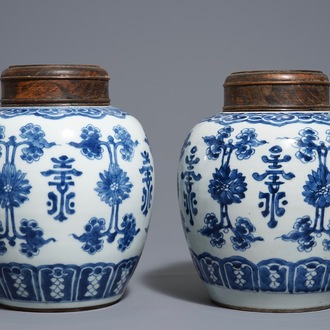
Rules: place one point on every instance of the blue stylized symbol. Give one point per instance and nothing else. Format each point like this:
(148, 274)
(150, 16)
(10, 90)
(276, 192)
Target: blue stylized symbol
(272, 204)
(62, 172)
(189, 176)
(147, 170)
(15, 188)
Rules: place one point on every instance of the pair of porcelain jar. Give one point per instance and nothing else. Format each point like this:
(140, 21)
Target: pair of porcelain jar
(77, 183)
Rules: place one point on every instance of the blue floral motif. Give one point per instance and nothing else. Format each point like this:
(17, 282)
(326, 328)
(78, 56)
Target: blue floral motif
(125, 141)
(96, 230)
(243, 234)
(3, 248)
(129, 230)
(216, 144)
(326, 245)
(316, 191)
(247, 141)
(242, 238)
(302, 234)
(34, 136)
(317, 188)
(33, 236)
(113, 188)
(2, 132)
(92, 236)
(91, 146)
(307, 145)
(15, 188)
(228, 187)
(213, 230)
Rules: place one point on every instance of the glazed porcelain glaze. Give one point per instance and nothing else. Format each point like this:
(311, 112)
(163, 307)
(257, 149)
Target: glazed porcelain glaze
(76, 190)
(254, 193)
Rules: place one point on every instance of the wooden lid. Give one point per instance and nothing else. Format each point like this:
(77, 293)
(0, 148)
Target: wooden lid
(276, 90)
(34, 85)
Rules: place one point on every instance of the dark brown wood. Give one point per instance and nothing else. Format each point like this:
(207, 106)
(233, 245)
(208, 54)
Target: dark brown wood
(276, 90)
(32, 85)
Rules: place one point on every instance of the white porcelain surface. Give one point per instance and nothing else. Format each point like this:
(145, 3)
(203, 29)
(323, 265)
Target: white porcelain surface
(76, 193)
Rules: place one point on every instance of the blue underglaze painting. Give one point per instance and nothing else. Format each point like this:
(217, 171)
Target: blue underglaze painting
(61, 201)
(277, 119)
(228, 186)
(15, 189)
(274, 201)
(275, 175)
(55, 183)
(55, 113)
(113, 188)
(316, 191)
(58, 283)
(272, 275)
(189, 177)
(147, 171)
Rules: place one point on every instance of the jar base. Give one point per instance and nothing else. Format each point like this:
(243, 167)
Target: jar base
(269, 302)
(45, 307)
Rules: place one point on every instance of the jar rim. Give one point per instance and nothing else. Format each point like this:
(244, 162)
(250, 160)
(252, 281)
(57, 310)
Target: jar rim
(54, 84)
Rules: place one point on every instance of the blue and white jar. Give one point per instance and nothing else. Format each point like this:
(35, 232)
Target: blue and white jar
(76, 190)
(254, 193)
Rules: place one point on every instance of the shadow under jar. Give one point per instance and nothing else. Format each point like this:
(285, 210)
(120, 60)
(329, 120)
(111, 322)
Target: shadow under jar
(254, 193)
(76, 189)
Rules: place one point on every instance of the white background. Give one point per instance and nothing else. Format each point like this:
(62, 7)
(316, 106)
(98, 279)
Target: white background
(167, 61)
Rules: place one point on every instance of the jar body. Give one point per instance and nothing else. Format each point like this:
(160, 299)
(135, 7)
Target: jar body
(76, 195)
(254, 200)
